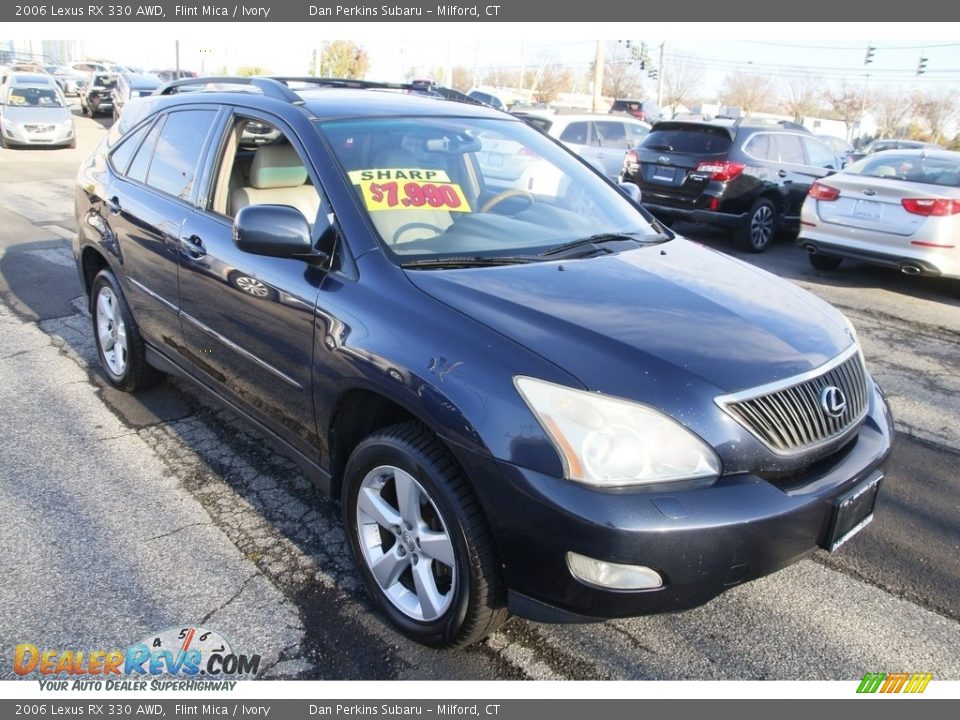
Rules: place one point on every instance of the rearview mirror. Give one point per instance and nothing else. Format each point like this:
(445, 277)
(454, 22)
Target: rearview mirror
(274, 230)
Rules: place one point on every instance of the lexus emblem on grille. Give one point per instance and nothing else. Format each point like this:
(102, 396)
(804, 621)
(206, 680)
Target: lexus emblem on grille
(833, 401)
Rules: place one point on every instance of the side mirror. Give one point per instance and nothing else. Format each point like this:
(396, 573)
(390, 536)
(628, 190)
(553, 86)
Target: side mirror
(274, 230)
(631, 190)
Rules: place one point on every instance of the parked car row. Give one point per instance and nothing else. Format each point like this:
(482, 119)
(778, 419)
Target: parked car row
(898, 206)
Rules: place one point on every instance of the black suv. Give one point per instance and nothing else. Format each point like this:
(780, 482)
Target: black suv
(534, 400)
(748, 176)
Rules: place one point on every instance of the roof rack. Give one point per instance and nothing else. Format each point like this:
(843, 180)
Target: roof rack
(270, 87)
(787, 124)
(279, 87)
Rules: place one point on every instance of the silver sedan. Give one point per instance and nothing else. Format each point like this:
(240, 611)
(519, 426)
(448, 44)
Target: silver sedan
(898, 208)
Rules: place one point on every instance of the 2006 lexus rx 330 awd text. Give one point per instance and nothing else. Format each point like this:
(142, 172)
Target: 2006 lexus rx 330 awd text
(537, 402)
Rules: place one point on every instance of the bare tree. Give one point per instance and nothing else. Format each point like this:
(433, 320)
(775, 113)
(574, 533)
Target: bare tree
(801, 96)
(849, 103)
(461, 79)
(937, 110)
(892, 108)
(681, 84)
(622, 74)
(750, 92)
(551, 80)
(345, 59)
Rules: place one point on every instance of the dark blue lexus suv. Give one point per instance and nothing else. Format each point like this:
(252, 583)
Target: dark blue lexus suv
(528, 394)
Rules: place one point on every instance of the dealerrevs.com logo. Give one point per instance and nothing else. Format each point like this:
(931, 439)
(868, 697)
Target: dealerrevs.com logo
(910, 683)
(203, 657)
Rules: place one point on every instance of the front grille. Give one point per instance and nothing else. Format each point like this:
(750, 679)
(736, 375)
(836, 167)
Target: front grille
(791, 416)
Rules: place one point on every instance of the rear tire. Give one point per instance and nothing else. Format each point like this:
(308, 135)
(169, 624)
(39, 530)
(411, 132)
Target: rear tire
(119, 344)
(420, 540)
(825, 261)
(760, 227)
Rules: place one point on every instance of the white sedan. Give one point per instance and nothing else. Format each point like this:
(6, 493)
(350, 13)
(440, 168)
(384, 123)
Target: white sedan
(898, 208)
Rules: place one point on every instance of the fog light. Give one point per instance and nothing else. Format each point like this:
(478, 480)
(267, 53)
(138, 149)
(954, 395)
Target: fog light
(612, 575)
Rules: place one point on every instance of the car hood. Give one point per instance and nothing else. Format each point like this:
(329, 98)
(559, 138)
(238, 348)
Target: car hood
(648, 322)
(39, 115)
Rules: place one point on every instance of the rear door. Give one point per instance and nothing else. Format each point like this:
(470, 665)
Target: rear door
(795, 171)
(612, 142)
(147, 205)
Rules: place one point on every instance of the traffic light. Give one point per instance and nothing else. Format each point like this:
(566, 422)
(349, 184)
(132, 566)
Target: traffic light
(922, 65)
(868, 58)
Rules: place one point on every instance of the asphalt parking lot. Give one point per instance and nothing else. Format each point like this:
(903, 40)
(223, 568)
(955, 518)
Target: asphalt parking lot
(128, 515)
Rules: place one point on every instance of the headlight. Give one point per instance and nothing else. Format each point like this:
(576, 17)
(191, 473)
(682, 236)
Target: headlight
(609, 442)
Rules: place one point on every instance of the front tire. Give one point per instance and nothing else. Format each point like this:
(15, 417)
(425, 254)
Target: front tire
(760, 227)
(119, 343)
(419, 539)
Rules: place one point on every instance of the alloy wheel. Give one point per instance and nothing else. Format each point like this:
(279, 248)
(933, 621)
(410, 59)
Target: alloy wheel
(405, 543)
(112, 332)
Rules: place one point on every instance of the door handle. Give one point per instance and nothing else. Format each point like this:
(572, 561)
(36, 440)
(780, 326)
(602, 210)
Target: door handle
(193, 246)
(782, 173)
(114, 205)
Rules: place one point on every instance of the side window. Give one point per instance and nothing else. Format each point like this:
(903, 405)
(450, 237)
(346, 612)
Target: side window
(141, 161)
(791, 151)
(575, 133)
(178, 152)
(120, 157)
(636, 134)
(260, 166)
(759, 146)
(819, 155)
(612, 134)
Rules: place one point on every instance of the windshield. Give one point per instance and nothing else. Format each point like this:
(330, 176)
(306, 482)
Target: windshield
(472, 187)
(34, 97)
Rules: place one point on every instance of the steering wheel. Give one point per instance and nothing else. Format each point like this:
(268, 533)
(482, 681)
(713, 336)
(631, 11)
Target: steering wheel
(416, 226)
(506, 195)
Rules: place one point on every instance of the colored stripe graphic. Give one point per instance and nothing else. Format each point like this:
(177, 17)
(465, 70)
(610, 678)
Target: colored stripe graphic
(918, 682)
(894, 682)
(871, 682)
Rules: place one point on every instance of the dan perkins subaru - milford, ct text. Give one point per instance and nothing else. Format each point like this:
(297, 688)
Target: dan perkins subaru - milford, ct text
(398, 11)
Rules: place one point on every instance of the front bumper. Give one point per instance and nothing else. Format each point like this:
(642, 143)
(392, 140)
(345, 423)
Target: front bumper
(21, 136)
(702, 540)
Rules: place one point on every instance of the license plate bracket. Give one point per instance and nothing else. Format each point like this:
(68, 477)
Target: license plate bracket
(664, 174)
(852, 511)
(868, 210)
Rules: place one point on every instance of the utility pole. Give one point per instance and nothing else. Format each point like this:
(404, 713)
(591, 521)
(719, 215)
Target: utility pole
(663, 52)
(176, 64)
(598, 77)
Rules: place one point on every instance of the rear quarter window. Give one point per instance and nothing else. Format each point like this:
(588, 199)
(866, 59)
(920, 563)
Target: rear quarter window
(689, 141)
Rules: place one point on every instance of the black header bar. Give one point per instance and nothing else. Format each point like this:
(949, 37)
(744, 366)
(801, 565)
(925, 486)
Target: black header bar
(323, 11)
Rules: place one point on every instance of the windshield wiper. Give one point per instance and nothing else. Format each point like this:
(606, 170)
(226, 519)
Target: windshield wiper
(477, 261)
(600, 238)
(659, 146)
